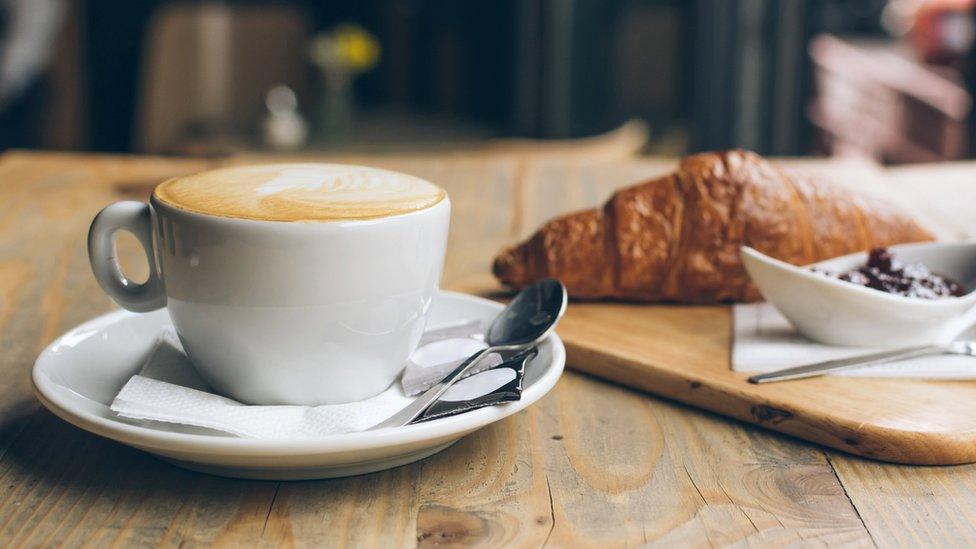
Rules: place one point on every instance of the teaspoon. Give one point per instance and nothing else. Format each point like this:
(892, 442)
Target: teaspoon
(527, 320)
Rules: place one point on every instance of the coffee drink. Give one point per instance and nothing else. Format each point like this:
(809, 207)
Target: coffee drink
(300, 192)
(287, 284)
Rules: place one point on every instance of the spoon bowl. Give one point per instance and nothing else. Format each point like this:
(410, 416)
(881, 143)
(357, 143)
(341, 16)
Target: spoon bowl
(530, 316)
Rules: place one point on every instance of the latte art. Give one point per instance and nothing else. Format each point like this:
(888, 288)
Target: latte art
(300, 192)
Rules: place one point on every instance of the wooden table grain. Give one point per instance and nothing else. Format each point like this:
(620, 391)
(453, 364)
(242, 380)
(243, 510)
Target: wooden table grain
(592, 464)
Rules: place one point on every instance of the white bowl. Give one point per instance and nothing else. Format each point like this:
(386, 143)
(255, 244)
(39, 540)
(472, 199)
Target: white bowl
(840, 313)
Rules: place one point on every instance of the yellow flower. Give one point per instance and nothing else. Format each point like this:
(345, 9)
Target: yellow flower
(355, 47)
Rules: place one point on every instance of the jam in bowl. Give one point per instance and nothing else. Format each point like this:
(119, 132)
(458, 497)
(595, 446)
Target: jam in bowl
(887, 273)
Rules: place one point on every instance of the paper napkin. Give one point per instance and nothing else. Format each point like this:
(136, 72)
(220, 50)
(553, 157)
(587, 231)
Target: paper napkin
(168, 389)
(765, 341)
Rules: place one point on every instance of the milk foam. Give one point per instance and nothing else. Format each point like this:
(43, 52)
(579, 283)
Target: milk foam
(300, 192)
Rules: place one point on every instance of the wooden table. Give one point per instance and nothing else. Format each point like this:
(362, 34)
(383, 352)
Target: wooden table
(591, 464)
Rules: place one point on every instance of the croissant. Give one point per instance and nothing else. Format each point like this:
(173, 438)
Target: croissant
(677, 238)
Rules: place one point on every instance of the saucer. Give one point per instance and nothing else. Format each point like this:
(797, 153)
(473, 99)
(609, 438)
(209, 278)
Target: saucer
(78, 375)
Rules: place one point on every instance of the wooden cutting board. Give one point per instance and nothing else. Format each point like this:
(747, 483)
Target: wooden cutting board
(683, 353)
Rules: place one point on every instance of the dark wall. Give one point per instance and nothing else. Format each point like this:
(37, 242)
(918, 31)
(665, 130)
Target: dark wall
(723, 72)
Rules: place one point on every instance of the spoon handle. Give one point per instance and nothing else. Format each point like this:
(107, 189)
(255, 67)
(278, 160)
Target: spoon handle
(821, 368)
(413, 410)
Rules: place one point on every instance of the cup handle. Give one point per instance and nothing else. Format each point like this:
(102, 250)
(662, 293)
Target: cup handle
(136, 218)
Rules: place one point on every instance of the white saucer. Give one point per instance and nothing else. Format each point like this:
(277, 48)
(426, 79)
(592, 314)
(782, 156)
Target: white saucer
(79, 374)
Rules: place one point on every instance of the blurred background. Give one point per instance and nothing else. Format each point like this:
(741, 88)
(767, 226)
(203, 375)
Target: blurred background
(887, 80)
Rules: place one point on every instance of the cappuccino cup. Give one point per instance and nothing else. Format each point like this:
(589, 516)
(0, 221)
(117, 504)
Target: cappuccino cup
(287, 283)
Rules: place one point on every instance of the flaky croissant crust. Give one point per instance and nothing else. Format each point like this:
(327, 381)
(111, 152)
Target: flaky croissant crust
(677, 238)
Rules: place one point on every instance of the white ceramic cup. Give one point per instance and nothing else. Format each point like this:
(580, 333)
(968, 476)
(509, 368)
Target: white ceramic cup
(277, 312)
